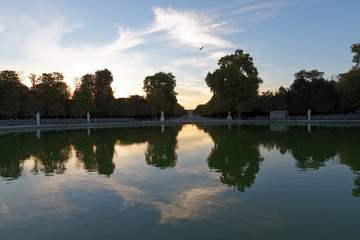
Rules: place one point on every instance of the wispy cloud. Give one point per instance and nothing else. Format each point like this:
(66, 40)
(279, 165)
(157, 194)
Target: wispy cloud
(188, 28)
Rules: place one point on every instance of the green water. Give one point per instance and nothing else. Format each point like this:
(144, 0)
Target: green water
(182, 182)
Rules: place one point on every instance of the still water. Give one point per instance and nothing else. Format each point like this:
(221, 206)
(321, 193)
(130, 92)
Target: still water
(181, 182)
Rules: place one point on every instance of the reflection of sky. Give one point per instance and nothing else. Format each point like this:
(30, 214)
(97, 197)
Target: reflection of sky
(132, 181)
(188, 194)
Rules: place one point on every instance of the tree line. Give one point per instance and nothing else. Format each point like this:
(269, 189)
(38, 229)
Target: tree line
(51, 97)
(236, 82)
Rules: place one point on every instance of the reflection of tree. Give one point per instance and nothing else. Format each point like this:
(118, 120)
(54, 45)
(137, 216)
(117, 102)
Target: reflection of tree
(96, 151)
(11, 156)
(161, 147)
(50, 152)
(235, 155)
(310, 149)
(349, 153)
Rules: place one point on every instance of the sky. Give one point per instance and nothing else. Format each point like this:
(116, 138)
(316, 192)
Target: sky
(138, 38)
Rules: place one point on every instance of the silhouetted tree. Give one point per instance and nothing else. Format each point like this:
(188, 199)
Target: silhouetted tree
(235, 83)
(103, 93)
(160, 93)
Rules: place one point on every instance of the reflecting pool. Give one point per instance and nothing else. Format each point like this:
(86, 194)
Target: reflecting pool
(181, 182)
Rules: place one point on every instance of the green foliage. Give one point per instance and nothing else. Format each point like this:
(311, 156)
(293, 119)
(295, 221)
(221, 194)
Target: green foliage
(157, 102)
(10, 94)
(103, 93)
(235, 84)
(199, 110)
(160, 93)
(84, 96)
(348, 89)
(125, 107)
(355, 48)
(32, 105)
(53, 93)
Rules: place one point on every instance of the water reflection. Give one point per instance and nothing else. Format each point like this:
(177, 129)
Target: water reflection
(235, 154)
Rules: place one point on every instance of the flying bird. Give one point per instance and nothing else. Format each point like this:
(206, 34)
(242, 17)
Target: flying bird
(201, 48)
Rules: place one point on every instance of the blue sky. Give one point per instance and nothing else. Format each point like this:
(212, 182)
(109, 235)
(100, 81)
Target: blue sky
(134, 39)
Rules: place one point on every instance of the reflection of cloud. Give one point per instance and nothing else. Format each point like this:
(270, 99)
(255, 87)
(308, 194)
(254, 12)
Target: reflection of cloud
(191, 204)
(4, 208)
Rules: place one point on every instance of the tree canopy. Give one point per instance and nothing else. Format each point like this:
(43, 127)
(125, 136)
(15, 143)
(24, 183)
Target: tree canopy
(235, 83)
(160, 93)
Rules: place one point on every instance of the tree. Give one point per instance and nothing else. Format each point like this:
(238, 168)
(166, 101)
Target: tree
(84, 96)
(157, 102)
(10, 93)
(160, 92)
(355, 48)
(53, 93)
(235, 83)
(125, 107)
(103, 93)
(348, 88)
(299, 92)
(323, 96)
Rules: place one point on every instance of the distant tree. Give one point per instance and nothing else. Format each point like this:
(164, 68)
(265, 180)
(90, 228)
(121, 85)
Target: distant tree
(281, 99)
(199, 110)
(103, 93)
(235, 84)
(53, 93)
(299, 93)
(348, 88)
(160, 92)
(83, 96)
(355, 48)
(140, 104)
(10, 94)
(157, 102)
(125, 107)
(323, 96)
(32, 105)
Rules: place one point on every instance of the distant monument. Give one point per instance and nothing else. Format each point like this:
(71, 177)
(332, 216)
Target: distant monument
(229, 116)
(309, 114)
(37, 118)
(162, 118)
(88, 117)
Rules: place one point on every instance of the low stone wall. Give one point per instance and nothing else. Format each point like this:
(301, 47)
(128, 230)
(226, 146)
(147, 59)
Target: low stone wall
(21, 122)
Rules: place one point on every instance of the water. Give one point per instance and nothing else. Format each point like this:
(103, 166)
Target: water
(182, 182)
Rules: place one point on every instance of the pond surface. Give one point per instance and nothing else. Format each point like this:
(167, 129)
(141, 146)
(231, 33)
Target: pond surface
(181, 182)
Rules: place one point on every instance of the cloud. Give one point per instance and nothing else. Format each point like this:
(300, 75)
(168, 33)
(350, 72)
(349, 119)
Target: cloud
(188, 28)
(256, 7)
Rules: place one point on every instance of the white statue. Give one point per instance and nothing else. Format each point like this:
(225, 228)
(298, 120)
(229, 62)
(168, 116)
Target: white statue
(162, 118)
(309, 114)
(37, 118)
(88, 117)
(229, 116)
